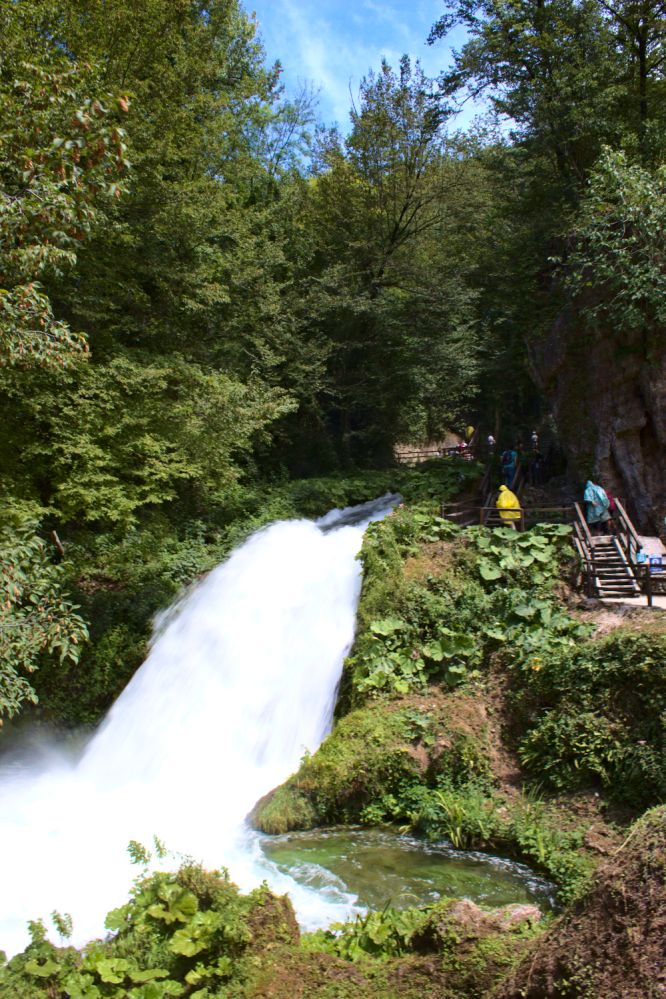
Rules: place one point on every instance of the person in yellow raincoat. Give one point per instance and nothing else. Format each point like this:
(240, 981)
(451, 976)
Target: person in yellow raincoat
(508, 505)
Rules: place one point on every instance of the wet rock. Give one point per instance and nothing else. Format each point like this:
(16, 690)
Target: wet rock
(453, 924)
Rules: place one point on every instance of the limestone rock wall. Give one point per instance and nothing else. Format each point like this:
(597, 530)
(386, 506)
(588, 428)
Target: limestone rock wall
(608, 398)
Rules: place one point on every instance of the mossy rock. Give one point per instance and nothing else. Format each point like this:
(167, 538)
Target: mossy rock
(477, 946)
(272, 921)
(367, 755)
(455, 923)
(283, 809)
(377, 751)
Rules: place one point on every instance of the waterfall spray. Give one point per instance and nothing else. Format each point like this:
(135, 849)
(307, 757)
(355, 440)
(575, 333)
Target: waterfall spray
(240, 683)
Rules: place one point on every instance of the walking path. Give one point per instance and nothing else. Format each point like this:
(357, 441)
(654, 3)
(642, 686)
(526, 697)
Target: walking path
(652, 545)
(658, 601)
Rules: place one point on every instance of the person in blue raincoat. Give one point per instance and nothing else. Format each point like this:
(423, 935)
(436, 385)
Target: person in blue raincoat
(597, 512)
(509, 459)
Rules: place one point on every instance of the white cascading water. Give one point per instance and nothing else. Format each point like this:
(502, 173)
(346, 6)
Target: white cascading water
(240, 682)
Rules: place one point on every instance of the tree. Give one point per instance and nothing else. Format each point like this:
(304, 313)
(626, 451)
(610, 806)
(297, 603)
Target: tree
(37, 619)
(61, 156)
(618, 248)
(178, 284)
(548, 66)
(381, 287)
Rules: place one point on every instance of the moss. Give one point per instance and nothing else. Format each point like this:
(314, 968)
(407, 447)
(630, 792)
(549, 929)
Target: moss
(367, 755)
(477, 946)
(375, 755)
(271, 920)
(284, 809)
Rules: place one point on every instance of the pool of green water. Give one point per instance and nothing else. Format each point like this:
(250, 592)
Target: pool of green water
(377, 867)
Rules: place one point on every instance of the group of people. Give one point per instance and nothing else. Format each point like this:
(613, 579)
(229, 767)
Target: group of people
(532, 460)
(600, 507)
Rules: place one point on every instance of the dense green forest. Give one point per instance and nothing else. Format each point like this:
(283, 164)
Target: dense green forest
(206, 293)
(216, 312)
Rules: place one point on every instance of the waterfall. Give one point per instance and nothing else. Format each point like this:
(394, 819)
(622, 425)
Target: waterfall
(240, 682)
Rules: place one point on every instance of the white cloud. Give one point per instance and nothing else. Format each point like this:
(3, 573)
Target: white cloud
(334, 43)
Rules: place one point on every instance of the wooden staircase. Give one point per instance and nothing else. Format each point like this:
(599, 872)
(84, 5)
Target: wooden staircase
(608, 560)
(613, 575)
(465, 512)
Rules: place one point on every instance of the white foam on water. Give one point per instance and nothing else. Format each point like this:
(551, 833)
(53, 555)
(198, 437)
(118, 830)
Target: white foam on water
(240, 682)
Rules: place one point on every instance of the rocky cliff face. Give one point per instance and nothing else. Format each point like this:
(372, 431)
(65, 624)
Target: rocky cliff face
(609, 400)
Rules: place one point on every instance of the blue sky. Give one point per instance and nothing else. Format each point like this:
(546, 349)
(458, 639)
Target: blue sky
(332, 44)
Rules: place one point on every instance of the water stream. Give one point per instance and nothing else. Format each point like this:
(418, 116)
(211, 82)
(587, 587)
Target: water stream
(239, 683)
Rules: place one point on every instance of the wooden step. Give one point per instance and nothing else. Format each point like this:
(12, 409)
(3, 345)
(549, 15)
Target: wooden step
(617, 591)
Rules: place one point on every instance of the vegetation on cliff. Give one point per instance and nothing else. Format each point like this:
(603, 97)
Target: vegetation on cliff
(479, 706)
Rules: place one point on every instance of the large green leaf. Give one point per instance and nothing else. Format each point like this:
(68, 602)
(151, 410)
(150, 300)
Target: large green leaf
(387, 626)
(45, 970)
(489, 571)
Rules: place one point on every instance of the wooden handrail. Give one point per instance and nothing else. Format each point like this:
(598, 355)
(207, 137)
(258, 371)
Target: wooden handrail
(585, 551)
(585, 529)
(531, 509)
(631, 530)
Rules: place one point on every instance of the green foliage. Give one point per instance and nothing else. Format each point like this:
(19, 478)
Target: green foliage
(443, 628)
(180, 934)
(386, 288)
(380, 935)
(552, 70)
(619, 245)
(245, 944)
(506, 554)
(596, 714)
(467, 820)
(61, 156)
(384, 663)
(38, 621)
(128, 434)
(365, 756)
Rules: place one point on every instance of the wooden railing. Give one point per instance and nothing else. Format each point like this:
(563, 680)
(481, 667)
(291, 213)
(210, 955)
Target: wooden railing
(626, 533)
(526, 516)
(426, 454)
(584, 548)
(647, 573)
(470, 450)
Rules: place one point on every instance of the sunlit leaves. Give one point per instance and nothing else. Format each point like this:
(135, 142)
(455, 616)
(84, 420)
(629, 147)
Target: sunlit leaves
(127, 435)
(619, 238)
(37, 619)
(60, 155)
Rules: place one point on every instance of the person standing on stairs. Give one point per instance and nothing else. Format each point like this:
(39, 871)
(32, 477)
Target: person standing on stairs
(597, 513)
(509, 459)
(508, 505)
